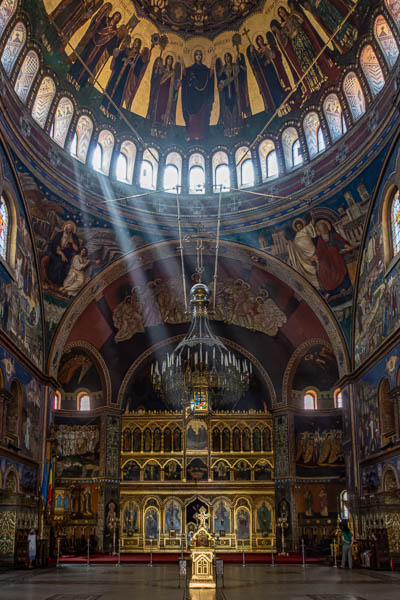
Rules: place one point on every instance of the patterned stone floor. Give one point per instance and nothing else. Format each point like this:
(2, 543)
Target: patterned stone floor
(160, 582)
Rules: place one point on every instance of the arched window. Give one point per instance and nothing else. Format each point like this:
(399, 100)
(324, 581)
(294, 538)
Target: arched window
(13, 47)
(83, 401)
(126, 162)
(149, 169)
(106, 142)
(394, 9)
(334, 117)
(26, 75)
(385, 38)
(338, 396)
(62, 121)
(83, 135)
(268, 160)
(4, 226)
(43, 100)
(173, 173)
(291, 148)
(372, 69)
(343, 505)
(221, 172)
(197, 174)
(310, 400)
(97, 157)
(313, 133)
(244, 167)
(57, 401)
(395, 223)
(354, 95)
(7, 9)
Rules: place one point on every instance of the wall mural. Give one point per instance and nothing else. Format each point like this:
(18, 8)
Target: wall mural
(77, 371)
(78, 451)
(319, 449)
(20, 307)
(28, 417)
(168, 78)
(27, 475)
(378, 299)
(317, 368)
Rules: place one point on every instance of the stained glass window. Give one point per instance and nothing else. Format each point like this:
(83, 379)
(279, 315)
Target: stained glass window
(43, 100)
(244, 167)
(84, 130)
(393, 7)
(128, 149)
(291, 150)
(149, 169)
(395, 222)
(3, 228)
(372, 69)
(221, 172)
(272, 164)
(84, 402)
(310, 400)
(344, 511)
(334, 117)
(311, 126)
(7, 9)
(385, 38)
(197, 175)
(338, 399)
(26, 75)
(13, 47)
(173, 172)
(106, 141)
(62, 120)
(268, 159)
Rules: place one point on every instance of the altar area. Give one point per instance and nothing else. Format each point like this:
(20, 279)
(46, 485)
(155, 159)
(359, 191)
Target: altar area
(173, 464)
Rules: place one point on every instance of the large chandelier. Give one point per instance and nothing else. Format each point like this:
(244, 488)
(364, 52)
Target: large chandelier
(201, 373)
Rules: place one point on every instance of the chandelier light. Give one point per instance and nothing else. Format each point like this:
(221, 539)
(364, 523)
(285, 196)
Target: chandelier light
(201, 372)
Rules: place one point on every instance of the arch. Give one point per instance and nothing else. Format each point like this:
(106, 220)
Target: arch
(43, 100)
(268, 160)
(394, 223)
(338, 398)
(83, 133)
(394, 10)
(149, 169)
(177, 439)
(131, 471)
(390, 479)
(266, 440)
(216, 439)
(386, 411)
(130, 518)
(310, 400)
(197, 173)
(26, 75)
(263, 471)
(386, 40)
(106, 143)
(157, 440)
(246, 440)
(221, 172)
(173, 516)
(236, 440)
(167, 440)
(147, 440)
(83, 401)
(242, 470)
(151, 523)
(221, 470)
(7, 10)
(334, 117)
(13, 47)
(152, 471)
(313, 134)
(242, 523)
(137, 440)
(256, 439)
(244, 167)
(11, 480)
(372, 69)
(172, 471)
(62, 120)
(173, 173)
(99, 363)
(226, 440)
(57, 400)
(354, 95)
(127, 440)
(291, 148)
(126, 162)
(273, 266)
(4, 229)
(9, 212)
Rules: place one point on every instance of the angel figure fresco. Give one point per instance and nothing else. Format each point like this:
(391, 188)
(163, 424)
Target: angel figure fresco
(197, 96)
(265, 59)
(66, 19)
(128, 66)
(165, 83)
(233, 92)
(329, 14)
(103, 39)
(300, 45)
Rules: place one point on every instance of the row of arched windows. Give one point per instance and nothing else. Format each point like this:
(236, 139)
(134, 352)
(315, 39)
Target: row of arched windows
(83, 401)
(287, 152)
(257, 440)
(310, 399)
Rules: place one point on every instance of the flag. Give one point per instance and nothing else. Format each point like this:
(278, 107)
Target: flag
(44, 483)
(50, 484)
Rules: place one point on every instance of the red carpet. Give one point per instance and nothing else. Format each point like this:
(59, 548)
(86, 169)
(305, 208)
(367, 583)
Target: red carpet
(294, 558)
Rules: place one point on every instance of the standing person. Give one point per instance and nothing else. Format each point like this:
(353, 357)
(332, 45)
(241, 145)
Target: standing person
(31, 547)
(347, 547)
(197, 96)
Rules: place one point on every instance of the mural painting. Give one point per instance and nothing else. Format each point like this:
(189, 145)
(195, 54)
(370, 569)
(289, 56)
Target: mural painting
(173, 517)
(77, 371)
(131, 471)
(131, 518)
(78, 449)
(151, 523)
(197, 436)
(222, 518)
(26, 475)
(242, 524)
(20, 306)
(317, 367)
(263, 519)
(319, 500)
(319, 448)
(172, 471)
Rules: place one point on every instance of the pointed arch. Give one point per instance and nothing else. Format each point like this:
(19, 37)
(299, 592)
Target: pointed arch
(26, 75)
(13, 47)
(43, 100)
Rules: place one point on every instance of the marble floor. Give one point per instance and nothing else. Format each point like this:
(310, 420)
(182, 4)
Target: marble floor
(160, 582)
